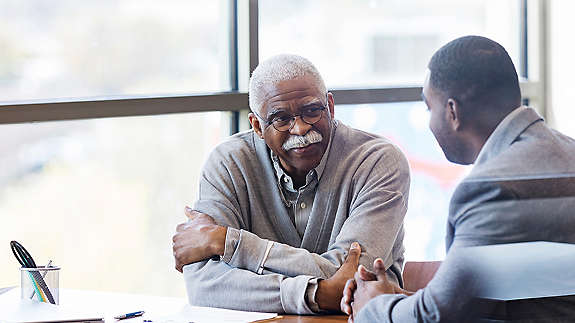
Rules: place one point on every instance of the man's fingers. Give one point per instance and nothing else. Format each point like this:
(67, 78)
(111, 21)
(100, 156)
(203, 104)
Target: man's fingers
(176, 258)
(347, 297)
(188, 211)
(191, 214)
(353, 255)
(379, 269)
(198, 217)
(181, 227)
(345, 305)
(365, 274)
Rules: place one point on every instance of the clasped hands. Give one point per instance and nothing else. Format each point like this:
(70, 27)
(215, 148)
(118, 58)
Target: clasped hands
(198, 239)
(364, 286)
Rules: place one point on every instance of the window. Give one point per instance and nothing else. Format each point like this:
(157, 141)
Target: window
(102, 198)
(73, 49)
(98, 195)
(380, 42)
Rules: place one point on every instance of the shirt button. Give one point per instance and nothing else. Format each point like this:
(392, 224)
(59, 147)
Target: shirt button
(302, 205)
(286, 179)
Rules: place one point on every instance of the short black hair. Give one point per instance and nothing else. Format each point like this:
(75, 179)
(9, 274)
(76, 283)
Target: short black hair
(475, 70)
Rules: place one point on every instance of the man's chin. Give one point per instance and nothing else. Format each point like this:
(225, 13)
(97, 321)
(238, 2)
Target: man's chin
(458, 160)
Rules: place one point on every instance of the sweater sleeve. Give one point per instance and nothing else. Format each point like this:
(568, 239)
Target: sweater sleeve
(216, 284)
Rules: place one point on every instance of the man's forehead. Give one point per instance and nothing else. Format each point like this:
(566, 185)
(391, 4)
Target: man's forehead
(288, 92)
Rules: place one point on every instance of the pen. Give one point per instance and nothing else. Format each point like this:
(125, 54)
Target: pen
(129, 315)
(43, 276)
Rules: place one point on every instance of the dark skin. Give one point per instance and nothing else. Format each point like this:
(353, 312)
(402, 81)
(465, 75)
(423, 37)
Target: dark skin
(460, 140)
(290, 97)
(330, 291)
(201, 237)
(198, 239)
(366, 285)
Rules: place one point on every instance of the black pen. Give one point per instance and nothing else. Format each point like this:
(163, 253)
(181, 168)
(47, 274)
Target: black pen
(129, 315)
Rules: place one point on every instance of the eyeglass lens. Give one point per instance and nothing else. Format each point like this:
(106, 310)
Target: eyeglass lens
(310, 116)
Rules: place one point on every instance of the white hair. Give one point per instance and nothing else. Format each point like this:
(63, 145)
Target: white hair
(276, 69)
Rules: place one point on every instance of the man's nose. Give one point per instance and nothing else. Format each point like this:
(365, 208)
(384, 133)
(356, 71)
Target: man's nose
(299, 127)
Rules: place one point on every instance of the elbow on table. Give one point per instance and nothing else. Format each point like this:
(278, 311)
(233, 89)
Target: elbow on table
(199, 289)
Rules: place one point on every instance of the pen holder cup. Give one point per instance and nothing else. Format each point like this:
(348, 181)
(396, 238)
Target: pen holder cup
(40, 284)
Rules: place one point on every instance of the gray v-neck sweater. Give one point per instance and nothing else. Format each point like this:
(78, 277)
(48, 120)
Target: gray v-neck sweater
(361, 196)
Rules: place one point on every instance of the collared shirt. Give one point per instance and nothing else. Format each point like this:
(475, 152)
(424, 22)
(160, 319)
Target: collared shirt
(300, 201)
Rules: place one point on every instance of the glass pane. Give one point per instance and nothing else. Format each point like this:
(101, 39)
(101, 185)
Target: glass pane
(380, 42)
(102, 198)
(433, 178)
(64, 49)
(560, 113)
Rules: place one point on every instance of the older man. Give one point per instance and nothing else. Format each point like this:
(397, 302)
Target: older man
(282, 204)
(521, 188)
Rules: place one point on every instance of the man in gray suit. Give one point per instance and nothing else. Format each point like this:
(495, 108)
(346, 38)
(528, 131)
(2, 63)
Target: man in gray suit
(522, 187)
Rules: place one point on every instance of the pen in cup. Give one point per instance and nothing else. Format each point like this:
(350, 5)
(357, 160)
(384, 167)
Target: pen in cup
(43, 276)
(129, 315)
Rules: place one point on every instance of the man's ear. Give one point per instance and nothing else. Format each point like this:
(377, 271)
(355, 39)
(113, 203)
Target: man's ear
(454, 114)
(256, 125)
(330, 104)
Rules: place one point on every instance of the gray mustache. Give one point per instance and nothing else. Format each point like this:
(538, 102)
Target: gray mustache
(295, 141)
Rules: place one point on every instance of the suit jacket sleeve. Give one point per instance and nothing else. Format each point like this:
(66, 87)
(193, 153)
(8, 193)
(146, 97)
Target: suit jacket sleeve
(482, 212)
(447, 297)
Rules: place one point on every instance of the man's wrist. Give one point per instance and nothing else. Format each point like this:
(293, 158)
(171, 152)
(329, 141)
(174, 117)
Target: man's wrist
(324, 296)
(310, 294)
(219, 240)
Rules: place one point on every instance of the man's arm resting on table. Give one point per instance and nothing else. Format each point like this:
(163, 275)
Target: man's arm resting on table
(215, 283)
(201, 238)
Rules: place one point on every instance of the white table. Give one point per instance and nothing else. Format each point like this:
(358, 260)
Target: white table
(78, 304)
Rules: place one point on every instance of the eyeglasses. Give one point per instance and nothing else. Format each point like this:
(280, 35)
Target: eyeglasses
(284, 122)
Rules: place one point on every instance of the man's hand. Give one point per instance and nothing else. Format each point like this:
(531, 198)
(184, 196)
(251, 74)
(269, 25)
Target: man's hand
(329, 291)
(198, 239)
(349, 290)
(367, 285)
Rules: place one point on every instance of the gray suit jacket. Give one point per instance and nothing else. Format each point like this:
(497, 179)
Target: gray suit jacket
(522, 188)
